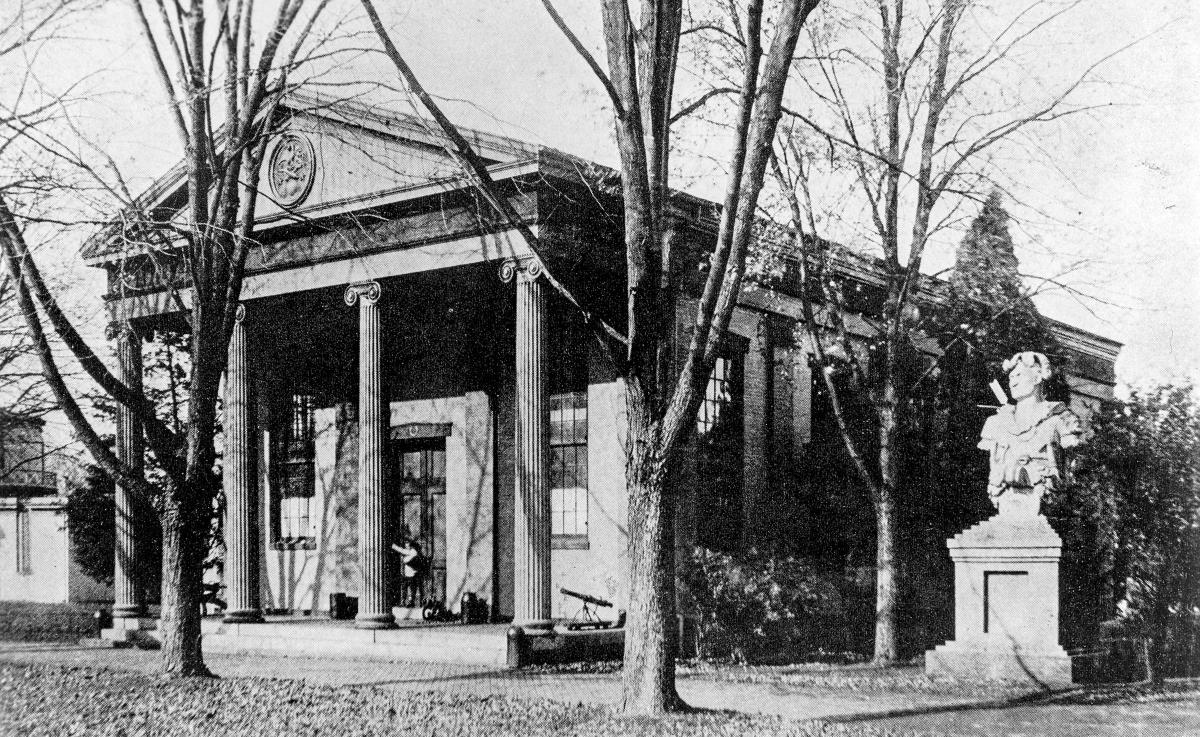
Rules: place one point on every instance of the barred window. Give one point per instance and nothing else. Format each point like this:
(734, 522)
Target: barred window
(24, 541)
(719, 438)
(295, 477)
(719, 398)
(569, 468)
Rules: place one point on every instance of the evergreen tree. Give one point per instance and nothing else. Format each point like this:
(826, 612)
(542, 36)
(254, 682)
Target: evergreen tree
(985, 265)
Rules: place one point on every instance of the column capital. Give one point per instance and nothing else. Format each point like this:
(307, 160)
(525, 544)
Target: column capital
(528, 269)
(368, 291)
(239, 313)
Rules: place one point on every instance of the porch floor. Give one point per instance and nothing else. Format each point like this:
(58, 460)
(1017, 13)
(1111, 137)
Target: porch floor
(315, 636)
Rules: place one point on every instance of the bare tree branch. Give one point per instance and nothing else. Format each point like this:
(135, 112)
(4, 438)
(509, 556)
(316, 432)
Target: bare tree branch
(699, 102)
(476, 170)
(586, 55)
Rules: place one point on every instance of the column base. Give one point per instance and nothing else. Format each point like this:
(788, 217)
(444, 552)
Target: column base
(130, 631)
(243, 616)
(131, 623)
(128, 612)
(375, 621)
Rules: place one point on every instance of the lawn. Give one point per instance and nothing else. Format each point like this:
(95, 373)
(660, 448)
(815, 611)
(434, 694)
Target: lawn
(56, 700)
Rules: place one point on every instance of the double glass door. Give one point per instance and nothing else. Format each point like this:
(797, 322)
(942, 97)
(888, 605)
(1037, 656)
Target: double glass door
(419, 514)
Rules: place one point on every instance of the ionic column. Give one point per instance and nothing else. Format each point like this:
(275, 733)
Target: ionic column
(531, 529)
(374, 610)
(129, 601)
(240, 483)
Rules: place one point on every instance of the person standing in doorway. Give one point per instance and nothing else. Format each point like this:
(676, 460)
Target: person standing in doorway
(411, 568)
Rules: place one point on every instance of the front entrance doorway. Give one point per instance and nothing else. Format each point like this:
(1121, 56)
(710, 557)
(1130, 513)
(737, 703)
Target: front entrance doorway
(419, 514)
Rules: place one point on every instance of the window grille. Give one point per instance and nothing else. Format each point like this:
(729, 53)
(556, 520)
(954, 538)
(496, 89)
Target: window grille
(295, 476)
(569, 465)
(719, 395)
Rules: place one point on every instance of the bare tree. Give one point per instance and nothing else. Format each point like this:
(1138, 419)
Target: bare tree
(223, 78)
(24, 32)
(21, 392)
(661, 402)
(907, 119)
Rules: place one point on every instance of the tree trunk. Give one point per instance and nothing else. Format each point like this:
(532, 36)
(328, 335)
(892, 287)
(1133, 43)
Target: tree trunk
(887, 586)
(184, 547)
(887, 594)
(648, 681)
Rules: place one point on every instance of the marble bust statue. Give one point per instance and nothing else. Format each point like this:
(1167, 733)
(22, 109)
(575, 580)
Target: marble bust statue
(1026, 439)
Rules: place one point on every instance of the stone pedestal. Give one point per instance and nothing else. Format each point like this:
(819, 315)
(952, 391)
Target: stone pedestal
(1006, 602)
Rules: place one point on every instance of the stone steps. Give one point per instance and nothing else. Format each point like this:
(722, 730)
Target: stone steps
(482, 645)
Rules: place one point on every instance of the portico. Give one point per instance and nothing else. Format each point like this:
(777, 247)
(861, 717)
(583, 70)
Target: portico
(329, 396)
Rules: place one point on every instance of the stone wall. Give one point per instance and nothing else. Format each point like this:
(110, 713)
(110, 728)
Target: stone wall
(602, 568)
(300, 579)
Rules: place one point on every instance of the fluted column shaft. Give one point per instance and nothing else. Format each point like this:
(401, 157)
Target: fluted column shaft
(129, 600)
(238, 478)
(374, 609)
(532, 494)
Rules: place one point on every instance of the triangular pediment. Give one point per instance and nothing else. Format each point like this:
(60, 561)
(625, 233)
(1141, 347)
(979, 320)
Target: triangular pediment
(335, 156)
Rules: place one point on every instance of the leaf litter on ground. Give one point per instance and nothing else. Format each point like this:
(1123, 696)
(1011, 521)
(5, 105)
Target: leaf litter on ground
(58, 700)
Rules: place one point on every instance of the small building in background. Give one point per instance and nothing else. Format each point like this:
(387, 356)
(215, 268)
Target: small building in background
(35, 550)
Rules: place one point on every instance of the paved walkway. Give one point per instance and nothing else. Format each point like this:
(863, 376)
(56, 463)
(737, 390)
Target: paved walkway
(918, 712)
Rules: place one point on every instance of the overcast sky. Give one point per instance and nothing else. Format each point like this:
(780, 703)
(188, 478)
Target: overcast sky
(1118, 191)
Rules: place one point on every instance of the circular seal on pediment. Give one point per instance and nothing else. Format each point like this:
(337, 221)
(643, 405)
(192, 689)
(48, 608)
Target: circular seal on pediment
(292, 169)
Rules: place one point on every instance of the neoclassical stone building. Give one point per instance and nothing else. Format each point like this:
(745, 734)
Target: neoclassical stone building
(400, 368)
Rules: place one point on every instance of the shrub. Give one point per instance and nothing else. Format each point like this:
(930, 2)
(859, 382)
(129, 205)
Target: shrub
(33, 622)
(756, 608)
(1131, 518)
(91, 521)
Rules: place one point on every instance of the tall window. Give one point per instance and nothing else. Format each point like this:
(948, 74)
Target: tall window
(719, 456)
(295, 476)
(24, 541)
(719, 396)
(569, 469)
